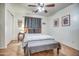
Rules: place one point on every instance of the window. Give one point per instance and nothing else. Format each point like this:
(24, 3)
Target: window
(33, 24)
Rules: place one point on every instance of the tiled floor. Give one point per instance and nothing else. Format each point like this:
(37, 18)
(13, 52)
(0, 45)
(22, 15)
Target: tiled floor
(14, 49)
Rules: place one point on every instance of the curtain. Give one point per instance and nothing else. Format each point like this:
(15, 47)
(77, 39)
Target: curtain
(33, 24)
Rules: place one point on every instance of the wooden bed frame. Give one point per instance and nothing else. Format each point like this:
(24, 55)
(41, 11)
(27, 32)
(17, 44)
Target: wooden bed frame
(27, 50)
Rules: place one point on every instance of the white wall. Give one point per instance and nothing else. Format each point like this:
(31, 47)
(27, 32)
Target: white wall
(10, 25)
(44, 26)
(68, 35)
(2, 25)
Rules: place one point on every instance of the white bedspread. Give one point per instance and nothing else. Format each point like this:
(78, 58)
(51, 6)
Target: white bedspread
(40, 41)
(30, 37)
(37, 39)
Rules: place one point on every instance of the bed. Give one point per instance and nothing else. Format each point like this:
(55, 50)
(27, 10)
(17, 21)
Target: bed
(38, 42)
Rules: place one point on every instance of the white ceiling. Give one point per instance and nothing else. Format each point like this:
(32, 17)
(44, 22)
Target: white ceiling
(24, 9)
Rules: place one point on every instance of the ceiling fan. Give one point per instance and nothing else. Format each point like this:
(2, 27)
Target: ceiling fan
(41, 7)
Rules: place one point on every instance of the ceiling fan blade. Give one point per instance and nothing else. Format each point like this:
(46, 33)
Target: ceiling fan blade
(35, 11)
(50, 5)
(45, 11)
(40, 4)
(32, 5)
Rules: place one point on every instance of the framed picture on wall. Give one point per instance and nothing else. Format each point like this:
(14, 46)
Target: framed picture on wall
(66, 20)
(56, 22)
(19, 23)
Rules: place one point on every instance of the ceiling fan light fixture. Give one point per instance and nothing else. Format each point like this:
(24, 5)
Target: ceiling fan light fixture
(40, 9)
(43, 8)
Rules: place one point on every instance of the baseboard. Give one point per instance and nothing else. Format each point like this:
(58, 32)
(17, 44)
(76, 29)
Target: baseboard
(2, 48)
(68, 51)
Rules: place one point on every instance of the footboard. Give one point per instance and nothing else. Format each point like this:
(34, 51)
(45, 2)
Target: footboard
(33, 49)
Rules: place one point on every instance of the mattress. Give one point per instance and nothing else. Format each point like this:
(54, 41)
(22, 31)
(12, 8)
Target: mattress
(41, 42)
(37, 40)
(30, 37)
